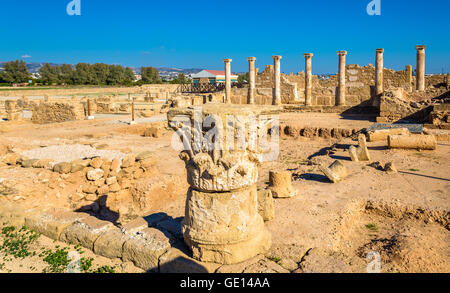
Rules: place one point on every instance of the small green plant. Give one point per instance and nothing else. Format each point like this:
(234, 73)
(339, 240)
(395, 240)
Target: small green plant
(413, 170)
(17, 242)
(57, 260)
(372, 227)
(105, 270)
(86, 264)
(275, 259)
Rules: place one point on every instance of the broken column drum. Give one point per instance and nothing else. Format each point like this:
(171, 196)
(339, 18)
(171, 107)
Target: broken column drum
(222, 223)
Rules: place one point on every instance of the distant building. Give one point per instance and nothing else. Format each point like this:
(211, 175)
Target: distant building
(137, 76)
(211, 76)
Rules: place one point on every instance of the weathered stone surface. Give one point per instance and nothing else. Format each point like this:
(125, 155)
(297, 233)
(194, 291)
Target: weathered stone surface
(265, 204)
(85, 231)
(421, 142)
(110, 243)
(383, 134)
(52, 223)
(111, 180)
(96, 163)
(11, 159)
(44, 163)
(280, 184)
(95, 174)
(153, 132)
(62, 168)
(335, 172)
(234, 234)
(115, 165)
(145, 248)
(144, 155)
(178, 261)
(128, 160)
(29, 163)
(134, 226)
(360, 153)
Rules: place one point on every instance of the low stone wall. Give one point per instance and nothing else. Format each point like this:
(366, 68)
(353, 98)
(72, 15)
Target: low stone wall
(51, 112)
(103, 183)
(323, 132)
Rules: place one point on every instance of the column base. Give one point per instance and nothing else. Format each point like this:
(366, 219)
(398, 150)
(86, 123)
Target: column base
(231, 253)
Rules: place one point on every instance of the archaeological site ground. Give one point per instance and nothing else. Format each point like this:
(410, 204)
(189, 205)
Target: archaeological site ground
(288, 173)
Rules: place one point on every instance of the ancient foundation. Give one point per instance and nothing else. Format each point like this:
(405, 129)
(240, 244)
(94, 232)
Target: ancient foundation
(222, 223)
(280, 184)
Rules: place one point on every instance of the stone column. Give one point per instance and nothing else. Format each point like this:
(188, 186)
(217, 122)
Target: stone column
(420, 68)
(340, 101)
(221, 222)
(227, 80)
(252, 79)
(308, 79)
(379, 72)
(276, 100)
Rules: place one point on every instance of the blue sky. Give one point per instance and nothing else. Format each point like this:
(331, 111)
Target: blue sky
(199, 34)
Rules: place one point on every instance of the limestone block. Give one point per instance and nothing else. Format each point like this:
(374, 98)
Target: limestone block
(95, 174)
(360, 153)
(145, 248)
(128, 160)
(85, 231)
(235, 233)
(110, 243)
(96, 163)
(43, 163)
(390, 168)
(265, 204)
(335, 172)
(383, 134)
(62, 168)
(11, 159)
(280, 184)
(178, 261)
(29, 163)
(52, 223)
(419, 141)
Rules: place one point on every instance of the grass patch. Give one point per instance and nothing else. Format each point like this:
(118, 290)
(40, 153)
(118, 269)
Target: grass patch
(413, 170)
(17, 242)
(372, 227)
(275, 259)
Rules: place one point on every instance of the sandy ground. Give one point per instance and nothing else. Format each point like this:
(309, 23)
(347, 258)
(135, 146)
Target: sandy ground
(325, 227)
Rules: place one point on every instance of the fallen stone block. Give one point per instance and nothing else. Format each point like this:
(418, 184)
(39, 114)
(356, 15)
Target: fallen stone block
(360, 153)
(418, 141)
(110, 243)
(95, 174)
(85, 231)
(265, 205)
(178, 261)
(280, 184)
(145, 248)
(52, 223)
(335, 172)
(383, 134)
(390, 168)
(62, 168)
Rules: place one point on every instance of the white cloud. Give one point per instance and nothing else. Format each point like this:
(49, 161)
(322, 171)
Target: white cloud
(26, 56)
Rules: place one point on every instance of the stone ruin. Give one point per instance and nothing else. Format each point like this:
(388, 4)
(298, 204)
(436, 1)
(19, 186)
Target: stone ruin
(222, 223)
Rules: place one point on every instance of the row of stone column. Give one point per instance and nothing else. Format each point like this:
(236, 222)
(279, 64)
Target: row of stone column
(340, 98)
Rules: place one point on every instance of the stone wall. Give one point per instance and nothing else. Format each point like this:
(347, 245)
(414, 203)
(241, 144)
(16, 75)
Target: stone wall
(51, 112)
(360, 83)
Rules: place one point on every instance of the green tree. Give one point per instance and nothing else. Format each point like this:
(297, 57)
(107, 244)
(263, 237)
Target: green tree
(66, 74)
(84, 74)
(49, 74)
(181, 79)
(243, 78)
(150, 75)
(15, 72)
(101, 72)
